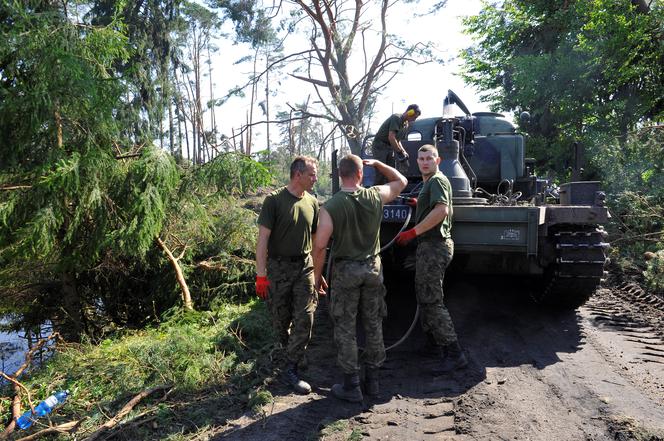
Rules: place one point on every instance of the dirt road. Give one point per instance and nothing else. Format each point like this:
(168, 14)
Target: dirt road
(593, 374)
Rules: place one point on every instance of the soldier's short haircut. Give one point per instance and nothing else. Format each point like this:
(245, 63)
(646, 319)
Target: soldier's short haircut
(300, 164)
(349, 165)
(428, 148)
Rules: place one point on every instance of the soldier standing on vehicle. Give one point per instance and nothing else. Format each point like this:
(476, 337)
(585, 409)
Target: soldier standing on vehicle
(387, 142)
(353, 216)
(284, 266)
(435, 248)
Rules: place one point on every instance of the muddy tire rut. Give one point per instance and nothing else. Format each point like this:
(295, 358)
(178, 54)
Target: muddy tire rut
(592, 374)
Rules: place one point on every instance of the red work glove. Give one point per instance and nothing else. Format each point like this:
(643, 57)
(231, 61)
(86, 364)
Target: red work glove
(412, 202)
(261, 286)
(406, 236)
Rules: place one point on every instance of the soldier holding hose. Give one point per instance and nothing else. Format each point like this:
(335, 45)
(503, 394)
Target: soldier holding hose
(435, 248)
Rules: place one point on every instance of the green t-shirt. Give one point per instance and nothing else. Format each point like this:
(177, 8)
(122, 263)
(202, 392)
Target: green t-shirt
(391, 124)
(437, 190)
(356, 219)
(292, 221)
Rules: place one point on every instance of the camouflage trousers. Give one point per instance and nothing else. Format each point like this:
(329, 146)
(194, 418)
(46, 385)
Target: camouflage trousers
(357, 288)
(292, 301)
(432, 258)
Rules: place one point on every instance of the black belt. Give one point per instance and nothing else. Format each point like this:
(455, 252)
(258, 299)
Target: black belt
(344, 259)
(432, 239)
(289, 258)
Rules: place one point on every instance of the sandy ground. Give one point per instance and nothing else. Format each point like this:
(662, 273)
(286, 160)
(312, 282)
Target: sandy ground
(592, 374)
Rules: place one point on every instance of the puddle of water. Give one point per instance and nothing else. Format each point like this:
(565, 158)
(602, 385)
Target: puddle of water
(13, 346)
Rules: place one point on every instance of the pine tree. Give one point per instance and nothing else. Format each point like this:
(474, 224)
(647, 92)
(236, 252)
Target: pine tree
(66, 196)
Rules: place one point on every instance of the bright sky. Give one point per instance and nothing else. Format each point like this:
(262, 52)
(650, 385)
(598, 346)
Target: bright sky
(425, 85)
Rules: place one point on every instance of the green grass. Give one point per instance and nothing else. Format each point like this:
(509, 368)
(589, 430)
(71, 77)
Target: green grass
(356, 435)
(339, 429)
(334, 427)
(258, 399)
(214, 361)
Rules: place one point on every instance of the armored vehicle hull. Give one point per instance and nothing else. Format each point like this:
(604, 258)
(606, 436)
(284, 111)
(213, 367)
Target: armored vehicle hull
(505, 220)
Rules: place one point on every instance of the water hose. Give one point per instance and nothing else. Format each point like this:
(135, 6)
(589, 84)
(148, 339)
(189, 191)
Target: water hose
(416, 316)
(403, 227)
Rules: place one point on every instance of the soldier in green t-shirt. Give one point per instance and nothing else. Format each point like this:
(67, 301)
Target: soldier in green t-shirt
(284, 266)
(387, 141)
(352, 217)
(435, 248)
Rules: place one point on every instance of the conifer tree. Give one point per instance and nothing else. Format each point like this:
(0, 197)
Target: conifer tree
(67, 194)
(82, 186)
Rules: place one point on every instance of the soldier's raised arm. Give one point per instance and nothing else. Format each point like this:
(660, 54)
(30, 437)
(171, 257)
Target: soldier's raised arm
(396, 182)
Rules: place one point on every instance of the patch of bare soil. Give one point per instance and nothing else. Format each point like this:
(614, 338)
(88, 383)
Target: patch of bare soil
(592, 374)
(583, 375)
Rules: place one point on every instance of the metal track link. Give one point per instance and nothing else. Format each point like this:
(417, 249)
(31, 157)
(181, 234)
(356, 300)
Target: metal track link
(579, 266)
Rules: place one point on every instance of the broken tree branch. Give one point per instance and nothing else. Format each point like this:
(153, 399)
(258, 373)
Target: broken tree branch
(179, 275)
(311, 80)
(61, 428)
(15, 187)
(123, 412)
(16, 412)
(20, 385)
(128, 155)
(16, 403)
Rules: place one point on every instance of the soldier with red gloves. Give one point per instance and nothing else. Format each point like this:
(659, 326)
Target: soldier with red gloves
(284, 266)
(435, 248)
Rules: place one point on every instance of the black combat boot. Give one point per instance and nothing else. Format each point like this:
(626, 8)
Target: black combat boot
(350, 390)
(371, 381)
(293, 380)
(454, 359)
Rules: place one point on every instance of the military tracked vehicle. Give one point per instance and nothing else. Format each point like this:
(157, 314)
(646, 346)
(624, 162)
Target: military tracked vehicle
(506, 220)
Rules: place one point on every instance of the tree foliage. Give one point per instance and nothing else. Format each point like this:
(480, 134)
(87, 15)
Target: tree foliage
(634, 181)
(302, 136)
(75, 201)
(585, 70)
(191, 49)
(148, 26)
(252, 23)
(79, 216)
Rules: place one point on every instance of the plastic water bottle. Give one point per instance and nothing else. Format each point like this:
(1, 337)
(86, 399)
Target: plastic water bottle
(46, 406)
